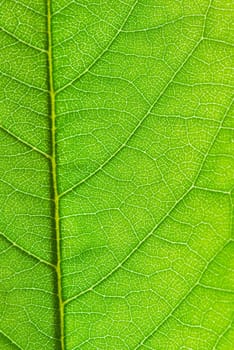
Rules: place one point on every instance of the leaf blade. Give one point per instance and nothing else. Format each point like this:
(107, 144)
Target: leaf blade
(118, 203)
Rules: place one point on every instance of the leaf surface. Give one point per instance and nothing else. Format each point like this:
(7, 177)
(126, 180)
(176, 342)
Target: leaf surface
(116, 175)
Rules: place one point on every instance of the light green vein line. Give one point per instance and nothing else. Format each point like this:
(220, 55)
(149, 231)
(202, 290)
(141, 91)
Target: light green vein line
(28, 8)
(25, 142)
(23, 82)
(23, 42)
(34, 290)
(130, 83)
(227, 43)
(16, 190)
(212, 190)
(26, 251)
(54, 176)
(225, 331)
(162, 25)
(194, 326)
(213, 142)
(221, 290)
(11, 341)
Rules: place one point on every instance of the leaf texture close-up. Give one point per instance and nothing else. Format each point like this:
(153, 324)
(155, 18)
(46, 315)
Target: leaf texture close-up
(116, 175)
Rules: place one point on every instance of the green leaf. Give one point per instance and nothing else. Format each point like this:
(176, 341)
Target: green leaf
(116, 175)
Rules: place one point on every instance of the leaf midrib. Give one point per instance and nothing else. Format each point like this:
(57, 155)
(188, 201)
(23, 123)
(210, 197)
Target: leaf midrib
(55, 194)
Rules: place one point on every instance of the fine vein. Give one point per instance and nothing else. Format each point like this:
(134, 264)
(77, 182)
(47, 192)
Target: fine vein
(54, 175)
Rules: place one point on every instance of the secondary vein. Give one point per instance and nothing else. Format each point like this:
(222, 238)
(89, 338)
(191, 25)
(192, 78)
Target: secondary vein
(54, 175)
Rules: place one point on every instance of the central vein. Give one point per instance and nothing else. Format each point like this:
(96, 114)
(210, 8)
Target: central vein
(54, 176)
